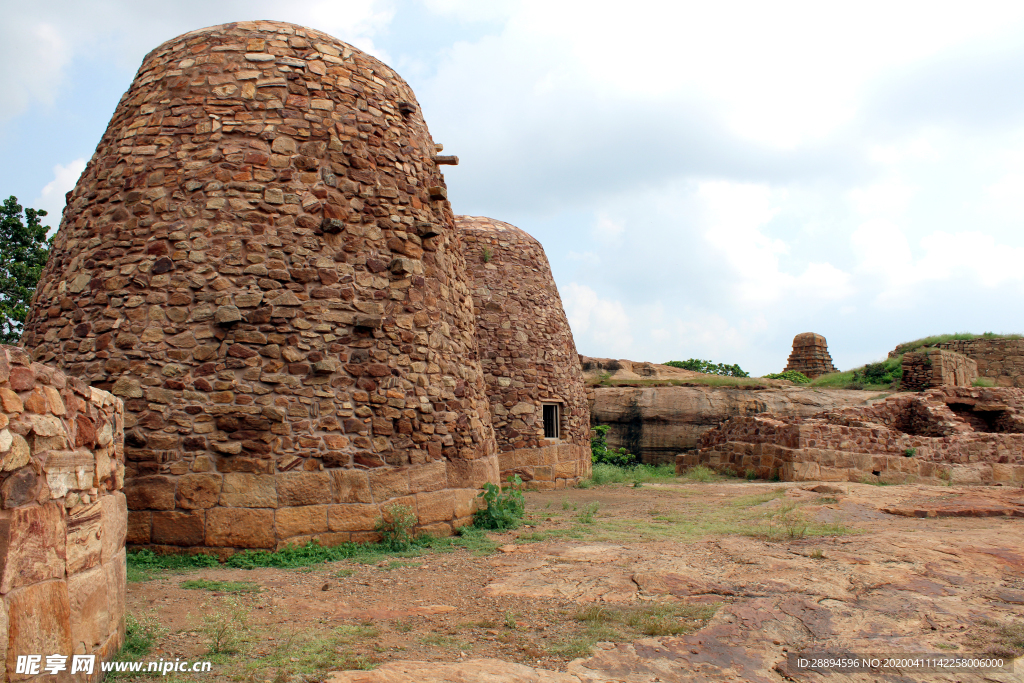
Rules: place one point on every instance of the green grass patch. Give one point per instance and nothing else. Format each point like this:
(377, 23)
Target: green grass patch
(309, 655)
(144, 565)
(603, 474)
(937, 339)
(221, 586)
(602, 622)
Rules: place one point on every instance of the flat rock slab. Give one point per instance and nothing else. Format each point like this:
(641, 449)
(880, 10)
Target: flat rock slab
(961, 507)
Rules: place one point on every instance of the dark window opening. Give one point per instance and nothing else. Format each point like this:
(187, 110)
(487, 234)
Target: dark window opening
(551, 421)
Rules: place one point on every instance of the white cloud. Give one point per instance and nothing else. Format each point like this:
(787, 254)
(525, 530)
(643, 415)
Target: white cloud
(52, 196)
(596, 321)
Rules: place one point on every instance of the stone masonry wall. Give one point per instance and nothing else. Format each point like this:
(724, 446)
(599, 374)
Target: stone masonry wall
(260, 260)
(810, 355)
(935, 368)
(63, 516)
(1001, 360)
(528, 354)
(965, 435)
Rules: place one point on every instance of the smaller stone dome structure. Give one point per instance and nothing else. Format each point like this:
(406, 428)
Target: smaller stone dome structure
(533, 375)
(810, 355)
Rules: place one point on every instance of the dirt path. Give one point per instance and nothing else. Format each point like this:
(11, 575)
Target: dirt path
(659, 583)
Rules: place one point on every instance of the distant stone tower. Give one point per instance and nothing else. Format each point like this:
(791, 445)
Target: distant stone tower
(534, 379)
(261, 261)
(810, 355)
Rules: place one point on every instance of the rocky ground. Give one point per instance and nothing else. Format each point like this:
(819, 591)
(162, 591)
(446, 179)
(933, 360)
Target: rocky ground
(719, 581)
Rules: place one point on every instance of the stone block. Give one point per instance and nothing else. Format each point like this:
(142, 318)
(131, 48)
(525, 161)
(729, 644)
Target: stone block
(387, 483)
(33, 545)
(90, 609)
(240, 528)
(150, 493)
(115, 523)
(179, 528)
(198, 491)
(38, 622)
(85, 537)
(430, 477)
(308, 519)
(241, 489)
(140, 527)
(304, 488)
(116, 572)
(351, 486)
(437, 530)
(435, 506)
(352, 517)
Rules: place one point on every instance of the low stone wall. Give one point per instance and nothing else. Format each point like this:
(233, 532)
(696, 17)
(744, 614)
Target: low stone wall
(62, 526)
(548, 467)
(1001, 360)
(934, 367)
(954, 434)
(225, 511)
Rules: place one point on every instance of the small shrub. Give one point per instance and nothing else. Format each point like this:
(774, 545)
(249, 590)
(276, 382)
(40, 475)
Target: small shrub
(751, 474)
(910, 452)
(504, 507)
(791, 375)
(586, 515)
(395, 527)
(699, 473)
(225, 628)
(600, 454)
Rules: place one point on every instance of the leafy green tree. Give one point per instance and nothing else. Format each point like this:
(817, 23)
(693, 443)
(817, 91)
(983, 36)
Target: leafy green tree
(23, 253)
(708, 367)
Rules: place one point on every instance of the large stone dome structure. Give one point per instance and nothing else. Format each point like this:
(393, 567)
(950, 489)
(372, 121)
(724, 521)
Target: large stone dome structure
(261, 261)
(534, 378)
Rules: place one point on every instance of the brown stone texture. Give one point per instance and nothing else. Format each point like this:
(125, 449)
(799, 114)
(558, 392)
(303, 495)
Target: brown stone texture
(958, 434)
(259, 261)
(657, 423)
(810, 355)
(933, 367)
(1001, 360)
(63, 519)
(527, 352)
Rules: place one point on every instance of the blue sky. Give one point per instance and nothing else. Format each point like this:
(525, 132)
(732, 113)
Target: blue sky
(708, 179)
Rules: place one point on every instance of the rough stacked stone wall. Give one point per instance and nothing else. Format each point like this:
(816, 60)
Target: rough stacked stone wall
(928, 436)
(63, 516)
(810, 355)
(1001, 360)
(528, 354)
(935, 368)
(260, 260)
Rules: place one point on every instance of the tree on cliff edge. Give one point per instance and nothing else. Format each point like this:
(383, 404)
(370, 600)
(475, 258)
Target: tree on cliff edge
(23, 253)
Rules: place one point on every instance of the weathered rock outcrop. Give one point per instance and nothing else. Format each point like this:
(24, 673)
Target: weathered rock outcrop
(657, 423)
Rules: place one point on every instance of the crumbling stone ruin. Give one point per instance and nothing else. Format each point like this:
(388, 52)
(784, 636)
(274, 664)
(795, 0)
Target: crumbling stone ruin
(999, 359)
(933, 367)
(810, 356)
(959, 434)
(261, 261)
(63, 522)
(533, 375)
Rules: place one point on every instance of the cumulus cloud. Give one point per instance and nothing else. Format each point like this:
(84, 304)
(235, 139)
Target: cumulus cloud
(595, 318)
(52, 197)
